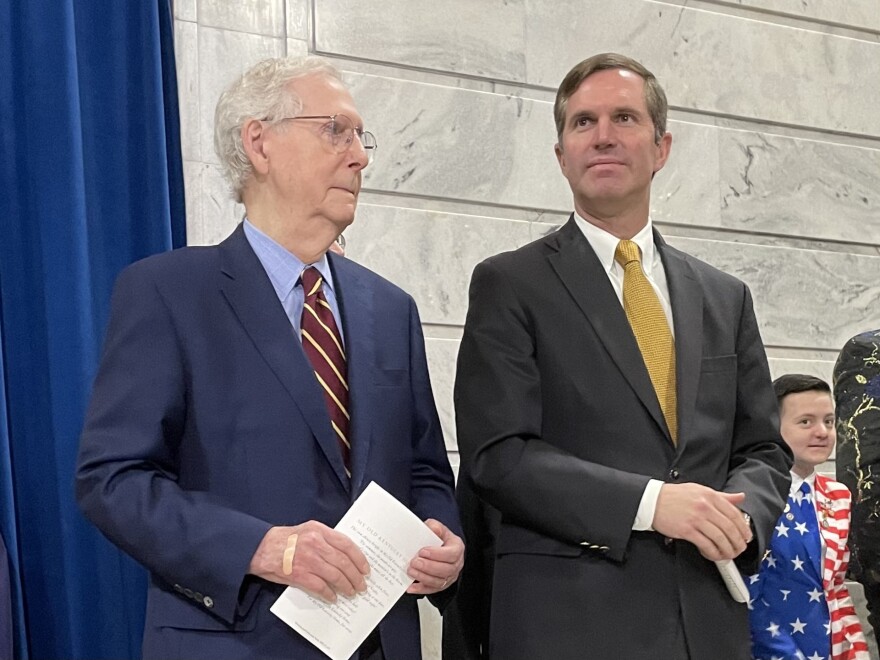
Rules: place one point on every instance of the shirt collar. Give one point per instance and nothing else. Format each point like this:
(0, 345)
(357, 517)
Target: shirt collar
(282, 266)
(604, 243)
(797, 480)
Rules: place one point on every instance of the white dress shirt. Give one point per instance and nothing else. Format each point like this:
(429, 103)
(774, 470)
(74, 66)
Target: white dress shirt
(604, 244)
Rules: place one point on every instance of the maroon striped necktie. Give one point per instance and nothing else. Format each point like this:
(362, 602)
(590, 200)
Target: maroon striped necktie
(323, 346)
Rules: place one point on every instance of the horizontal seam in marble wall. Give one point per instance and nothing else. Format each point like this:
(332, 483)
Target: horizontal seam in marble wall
(463, 200)
(795, 350)
(220, 28)
(811, 23)
(450, 332)
(794, 131)
(440, 73)
(761, 125)
(693, 115)
(795, 242)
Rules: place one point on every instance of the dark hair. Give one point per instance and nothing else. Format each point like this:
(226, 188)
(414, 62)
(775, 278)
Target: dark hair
(655, 98)
(797, 383)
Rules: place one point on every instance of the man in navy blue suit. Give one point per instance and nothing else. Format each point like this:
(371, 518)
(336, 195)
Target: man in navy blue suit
(214, 452)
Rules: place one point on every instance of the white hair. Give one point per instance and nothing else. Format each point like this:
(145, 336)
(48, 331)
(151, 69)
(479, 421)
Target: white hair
(263, 93)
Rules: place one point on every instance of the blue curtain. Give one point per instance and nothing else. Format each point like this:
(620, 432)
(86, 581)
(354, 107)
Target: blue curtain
(90, 180)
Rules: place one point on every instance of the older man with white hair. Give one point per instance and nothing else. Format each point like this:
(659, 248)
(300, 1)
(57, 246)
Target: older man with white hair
(248, 392)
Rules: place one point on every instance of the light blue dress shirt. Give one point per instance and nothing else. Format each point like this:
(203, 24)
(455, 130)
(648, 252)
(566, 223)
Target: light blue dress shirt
(284, 270)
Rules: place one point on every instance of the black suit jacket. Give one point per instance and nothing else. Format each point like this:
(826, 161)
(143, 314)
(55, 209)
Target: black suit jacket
(560, 430)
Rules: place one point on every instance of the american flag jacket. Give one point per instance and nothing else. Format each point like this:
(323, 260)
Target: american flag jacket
(833, 512)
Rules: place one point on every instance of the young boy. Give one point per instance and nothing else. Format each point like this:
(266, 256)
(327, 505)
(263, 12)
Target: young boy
(800, 606)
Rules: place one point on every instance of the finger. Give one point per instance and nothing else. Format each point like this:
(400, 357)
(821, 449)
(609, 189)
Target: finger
(315, 556)
(721, 544)
(424, 589)
(317, 587)
(349, 572)
(438, 528)
(711, 550)
(423, 569)
(347, 547)
(734, 498)
(722, 511)
(431, 580)
(727, 533)
(419, 589)
(445, 553)
(741, 522)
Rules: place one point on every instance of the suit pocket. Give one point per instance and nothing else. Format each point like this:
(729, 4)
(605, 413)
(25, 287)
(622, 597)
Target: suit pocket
(390, 377)
(519, 540)
(718, 363)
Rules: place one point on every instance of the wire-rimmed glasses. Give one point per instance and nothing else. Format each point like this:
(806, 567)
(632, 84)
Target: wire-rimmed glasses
(340, 131)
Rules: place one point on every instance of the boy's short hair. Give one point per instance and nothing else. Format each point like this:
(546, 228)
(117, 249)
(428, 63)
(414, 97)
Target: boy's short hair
(797, 383)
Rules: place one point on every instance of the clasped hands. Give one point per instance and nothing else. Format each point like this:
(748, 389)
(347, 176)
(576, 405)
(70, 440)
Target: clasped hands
(325, 563)
(708, 518)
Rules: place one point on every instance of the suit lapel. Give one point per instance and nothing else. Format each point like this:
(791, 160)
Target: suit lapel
(249, 292)
(355, 300)
(686, 298)
(587, 282)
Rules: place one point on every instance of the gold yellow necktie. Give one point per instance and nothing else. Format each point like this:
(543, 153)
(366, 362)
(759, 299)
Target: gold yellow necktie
(651, 328)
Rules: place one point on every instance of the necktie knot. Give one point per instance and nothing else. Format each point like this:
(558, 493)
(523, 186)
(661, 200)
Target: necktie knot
(804, 493)
(311, 281)
(627, 252)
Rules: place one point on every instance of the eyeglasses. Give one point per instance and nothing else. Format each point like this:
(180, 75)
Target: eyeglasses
(340, 131)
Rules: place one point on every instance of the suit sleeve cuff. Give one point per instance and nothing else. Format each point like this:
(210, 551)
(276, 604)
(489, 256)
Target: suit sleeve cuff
(647, 507)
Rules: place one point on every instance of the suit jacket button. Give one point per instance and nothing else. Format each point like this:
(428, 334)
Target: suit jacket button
(178, 588)
(209, 602)
(668, 542)
(188, 593)
(198, 596)
(673, 474)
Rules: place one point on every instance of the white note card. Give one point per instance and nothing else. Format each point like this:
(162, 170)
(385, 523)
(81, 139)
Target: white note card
(390, 536)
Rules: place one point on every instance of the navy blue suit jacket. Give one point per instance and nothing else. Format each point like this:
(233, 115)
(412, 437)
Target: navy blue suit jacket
(207, 427)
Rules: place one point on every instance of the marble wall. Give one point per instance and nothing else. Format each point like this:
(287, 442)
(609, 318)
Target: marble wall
(774, 174)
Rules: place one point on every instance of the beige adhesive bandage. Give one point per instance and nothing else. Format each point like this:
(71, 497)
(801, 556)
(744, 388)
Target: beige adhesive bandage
(289, 551)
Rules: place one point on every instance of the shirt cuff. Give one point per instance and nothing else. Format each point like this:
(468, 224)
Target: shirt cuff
(647, 507)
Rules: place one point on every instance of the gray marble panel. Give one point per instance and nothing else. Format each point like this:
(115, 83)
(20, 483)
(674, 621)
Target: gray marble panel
(192, 184)
(186, 49)
(264, 17)
(442, 354)
(455, 462)
(485, 38)
(715, 62)
(430, 620)
(223, 56)
(803, 298)
(795, 187)
(819, 369)
(297, 48)
(298, 18)
(431, 255)
(463, 144)
(217, 213)
(184, 10)
(855, 13)
(685, 191)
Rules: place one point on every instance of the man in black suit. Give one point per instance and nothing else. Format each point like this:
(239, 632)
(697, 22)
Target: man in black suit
(614, 406)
